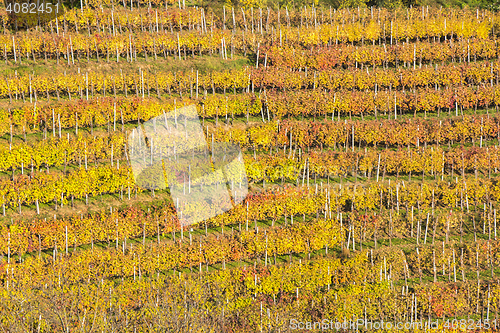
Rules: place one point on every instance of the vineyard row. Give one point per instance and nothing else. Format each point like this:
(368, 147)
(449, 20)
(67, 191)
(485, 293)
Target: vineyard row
(294, 282)
(70, 150)
(268, 297)
(377, 24)
(293, 48)
(450, 75)
(268, 105)
(269, 205)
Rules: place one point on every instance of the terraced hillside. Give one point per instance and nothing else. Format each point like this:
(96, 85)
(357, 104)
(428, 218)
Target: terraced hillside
(370, 140)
